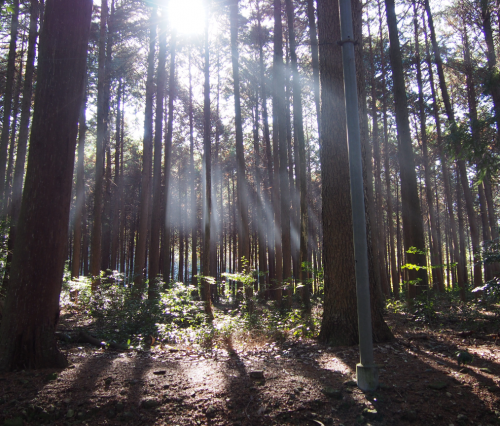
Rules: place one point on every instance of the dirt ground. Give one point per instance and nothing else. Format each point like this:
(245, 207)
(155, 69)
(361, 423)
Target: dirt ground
(304, 383)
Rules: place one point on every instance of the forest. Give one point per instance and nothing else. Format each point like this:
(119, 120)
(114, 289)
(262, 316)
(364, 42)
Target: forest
(179, 228)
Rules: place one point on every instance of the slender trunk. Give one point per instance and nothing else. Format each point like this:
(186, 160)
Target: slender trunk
(437, 272)
(194, 208)
(140, 250)
(95, 251)
(166, 247)
(413, 227)
(207, 158)
(117, 185)
(7, 97)
(315, 59)
(469, 204)
(154, 241)
(279, 139)
(387, 170)
(80, 189)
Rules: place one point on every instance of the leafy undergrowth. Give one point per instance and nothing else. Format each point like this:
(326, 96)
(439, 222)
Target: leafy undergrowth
(264, 368)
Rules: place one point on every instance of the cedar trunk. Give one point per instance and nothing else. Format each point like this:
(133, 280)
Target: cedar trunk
(32, 303)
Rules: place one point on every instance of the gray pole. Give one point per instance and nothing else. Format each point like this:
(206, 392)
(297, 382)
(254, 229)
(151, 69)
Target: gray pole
(366, 371)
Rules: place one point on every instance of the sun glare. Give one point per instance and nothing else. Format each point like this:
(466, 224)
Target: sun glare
(187, 16)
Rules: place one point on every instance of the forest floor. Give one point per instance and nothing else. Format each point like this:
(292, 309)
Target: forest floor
(303, 382)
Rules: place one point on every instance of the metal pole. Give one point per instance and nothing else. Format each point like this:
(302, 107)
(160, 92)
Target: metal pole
(366, 371)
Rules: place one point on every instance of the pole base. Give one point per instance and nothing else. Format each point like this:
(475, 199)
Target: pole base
(367, 377)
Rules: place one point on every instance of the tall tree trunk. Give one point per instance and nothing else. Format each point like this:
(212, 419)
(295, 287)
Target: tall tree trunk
(166, 247)
(437, 272)
(375, 203)
(242, 220)
(22, 143)
(194, 208)
(207, 159)
(469, 204)
(279, 139)
(154, 241)
(117, 184)
(446, 177)
(493, 85)
(7, 97)
(107, 211)
(140, 250)
(95, 251)
(80, 188)
(315, 59)
(269, 182)
(413, 227)
(12, 146)
(387, 170)
(298, 128)
(30, 317)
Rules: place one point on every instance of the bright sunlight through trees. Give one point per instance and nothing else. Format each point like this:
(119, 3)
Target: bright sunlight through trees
(187, 16)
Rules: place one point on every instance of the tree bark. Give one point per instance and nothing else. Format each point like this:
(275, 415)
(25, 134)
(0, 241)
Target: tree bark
(7, 97)
(140, 250)
(30, 316)
(413, 227)
(154, 241)
(95, 250)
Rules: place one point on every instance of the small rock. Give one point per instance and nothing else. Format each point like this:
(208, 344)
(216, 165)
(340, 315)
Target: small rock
(332, 392)
(438, 385)
(15, 421)
(149, 403)
(70, 413)
(257, 374)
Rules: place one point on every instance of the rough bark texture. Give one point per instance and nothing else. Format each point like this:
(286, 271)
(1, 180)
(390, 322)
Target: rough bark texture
(32, 303)
(340, 323)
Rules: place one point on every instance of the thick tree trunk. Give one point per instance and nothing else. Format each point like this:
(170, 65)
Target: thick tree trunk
(30, 316)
